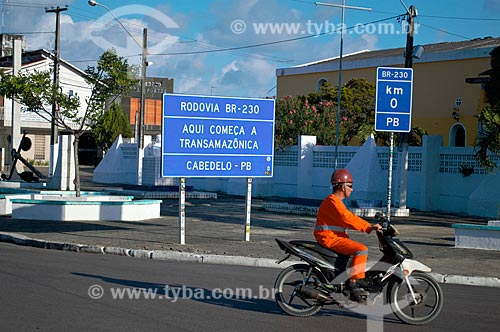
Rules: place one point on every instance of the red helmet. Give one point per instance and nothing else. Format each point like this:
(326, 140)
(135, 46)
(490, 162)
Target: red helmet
(341, 176)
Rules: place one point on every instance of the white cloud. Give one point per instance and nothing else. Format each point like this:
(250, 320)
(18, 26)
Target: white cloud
(230, 67)
(248, 72)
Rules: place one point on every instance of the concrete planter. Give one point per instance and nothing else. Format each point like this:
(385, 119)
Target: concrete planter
(75, 210)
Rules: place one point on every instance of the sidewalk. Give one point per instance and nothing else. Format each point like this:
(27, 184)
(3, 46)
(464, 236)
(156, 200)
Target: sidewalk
(215, 233)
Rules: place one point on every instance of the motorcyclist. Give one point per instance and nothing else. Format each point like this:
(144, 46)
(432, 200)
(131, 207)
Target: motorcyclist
(333, 220)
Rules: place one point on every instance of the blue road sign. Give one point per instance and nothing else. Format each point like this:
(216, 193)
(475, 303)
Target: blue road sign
(217, 136)
(393, 99)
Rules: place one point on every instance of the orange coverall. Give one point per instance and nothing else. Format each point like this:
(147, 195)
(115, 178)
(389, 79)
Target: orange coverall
(332, 221)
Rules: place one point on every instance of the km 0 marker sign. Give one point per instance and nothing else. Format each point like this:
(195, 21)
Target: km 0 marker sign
(393, 102)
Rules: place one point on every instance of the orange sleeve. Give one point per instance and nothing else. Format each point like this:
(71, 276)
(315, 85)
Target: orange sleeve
(334, 212)
(352, 221)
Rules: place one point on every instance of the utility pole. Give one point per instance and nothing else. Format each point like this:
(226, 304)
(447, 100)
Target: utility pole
(16, 107)
(409, 37)
(403, 138)
(144, 65)
(143, 85)
(53, 125)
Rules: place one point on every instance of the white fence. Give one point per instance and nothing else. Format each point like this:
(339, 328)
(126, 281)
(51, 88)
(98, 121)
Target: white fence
(434, 179)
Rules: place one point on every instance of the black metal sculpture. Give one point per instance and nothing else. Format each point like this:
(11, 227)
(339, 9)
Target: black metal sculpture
(35, 175)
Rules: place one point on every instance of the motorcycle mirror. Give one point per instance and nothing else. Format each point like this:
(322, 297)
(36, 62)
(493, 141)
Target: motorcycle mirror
(379, 215)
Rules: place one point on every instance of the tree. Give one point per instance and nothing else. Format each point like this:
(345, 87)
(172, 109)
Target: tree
(110, 125)
(316, 114)
(492, 86)
(111, 77)
(295, 116)
(488, 139)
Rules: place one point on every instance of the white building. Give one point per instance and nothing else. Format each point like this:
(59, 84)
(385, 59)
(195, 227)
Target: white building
(71, 81)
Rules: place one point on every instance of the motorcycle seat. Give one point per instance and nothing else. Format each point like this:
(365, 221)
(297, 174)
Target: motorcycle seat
(316, 247)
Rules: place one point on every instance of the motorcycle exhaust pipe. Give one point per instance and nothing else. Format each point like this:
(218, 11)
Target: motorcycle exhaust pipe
(313, 293)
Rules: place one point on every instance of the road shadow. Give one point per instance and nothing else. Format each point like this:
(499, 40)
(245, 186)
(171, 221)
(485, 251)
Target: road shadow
(438, 219)
(433, 244)
(247, 301)
(51, 226)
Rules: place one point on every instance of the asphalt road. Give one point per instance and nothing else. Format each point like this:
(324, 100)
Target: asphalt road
(48, 290)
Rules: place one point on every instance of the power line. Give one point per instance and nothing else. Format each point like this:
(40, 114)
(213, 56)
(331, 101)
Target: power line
(461, 18)
(161, 35)
(214, 49)
(261, 44)
(314, 3)
(274, 87)
(278, 41)
(420, 15)
(447, 32)
(31, 32)
(30, 5)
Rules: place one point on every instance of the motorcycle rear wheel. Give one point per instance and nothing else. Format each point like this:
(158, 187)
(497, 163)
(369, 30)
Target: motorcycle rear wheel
(428, 294)
(288, 295)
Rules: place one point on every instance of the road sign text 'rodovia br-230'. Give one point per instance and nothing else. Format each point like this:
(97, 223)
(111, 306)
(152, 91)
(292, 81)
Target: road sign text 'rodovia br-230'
(393, 101)
(217, 136)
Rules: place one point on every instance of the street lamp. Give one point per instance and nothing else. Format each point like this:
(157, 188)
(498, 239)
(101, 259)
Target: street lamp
(144, 64)
(337, 118)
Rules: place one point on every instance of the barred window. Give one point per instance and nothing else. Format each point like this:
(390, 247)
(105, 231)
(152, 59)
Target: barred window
(39, 147)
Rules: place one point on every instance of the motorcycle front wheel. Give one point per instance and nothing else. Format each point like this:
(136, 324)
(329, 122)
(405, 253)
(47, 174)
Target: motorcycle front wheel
(288, 295)
(428, 299)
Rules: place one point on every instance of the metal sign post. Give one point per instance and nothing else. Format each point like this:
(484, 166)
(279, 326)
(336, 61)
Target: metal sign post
(389, 182)
(182, 211)
(209, 136)
(248, 209)
(393, 104)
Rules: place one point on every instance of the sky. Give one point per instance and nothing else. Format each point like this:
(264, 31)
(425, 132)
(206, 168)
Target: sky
(234, 47)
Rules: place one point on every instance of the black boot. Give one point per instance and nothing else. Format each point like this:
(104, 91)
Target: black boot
(355, 288)
(362, 284)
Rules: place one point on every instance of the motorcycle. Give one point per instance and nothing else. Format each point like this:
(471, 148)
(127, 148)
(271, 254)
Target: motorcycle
(302, 289)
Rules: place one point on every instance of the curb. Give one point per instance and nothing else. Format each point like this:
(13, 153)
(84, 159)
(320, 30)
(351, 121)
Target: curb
(466, 280)
(180, 256)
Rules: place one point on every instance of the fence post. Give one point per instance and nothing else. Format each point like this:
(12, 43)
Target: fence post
(431, 161)
(305, 166)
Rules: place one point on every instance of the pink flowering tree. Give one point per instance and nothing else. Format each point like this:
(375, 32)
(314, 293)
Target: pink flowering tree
(316, 114)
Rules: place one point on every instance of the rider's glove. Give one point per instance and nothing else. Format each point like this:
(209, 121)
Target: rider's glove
(376, 227)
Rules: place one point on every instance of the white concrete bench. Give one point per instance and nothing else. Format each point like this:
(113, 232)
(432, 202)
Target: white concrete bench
(478, 236)
(6, 202)
(67, 210)
(8, 194)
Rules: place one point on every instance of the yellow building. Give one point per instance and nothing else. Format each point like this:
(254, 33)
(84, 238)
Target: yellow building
(447, 83)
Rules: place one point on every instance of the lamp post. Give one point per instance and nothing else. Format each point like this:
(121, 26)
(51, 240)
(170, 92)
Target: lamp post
(337, 118)
(144, 64)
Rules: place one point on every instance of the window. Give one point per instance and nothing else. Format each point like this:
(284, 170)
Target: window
(321, 82)
(457, 135)
(39, 147)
